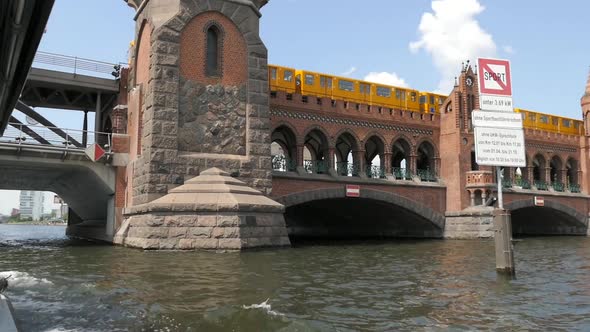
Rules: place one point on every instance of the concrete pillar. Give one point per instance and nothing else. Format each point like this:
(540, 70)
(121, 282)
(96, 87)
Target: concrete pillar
(547, 175)
(97, 117)
(472, 197)
(484, 197)
(503, 242)
(85, 129)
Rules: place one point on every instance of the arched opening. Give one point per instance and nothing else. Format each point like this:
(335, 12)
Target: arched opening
(555, 172)
(399, 159)
(539, 172)
(372, 215)
(425, 163)
(315, 153)
(374, 157)
(551, 219)
(346, 164)
(213, 51)
(571, 174)
(283, 149)
(478, 198)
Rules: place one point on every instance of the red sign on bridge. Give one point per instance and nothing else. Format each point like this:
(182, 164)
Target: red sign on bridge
(353, 190)
(95, 152)
(494, 77)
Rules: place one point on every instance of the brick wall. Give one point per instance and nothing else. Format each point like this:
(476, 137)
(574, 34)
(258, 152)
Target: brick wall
(193, 45)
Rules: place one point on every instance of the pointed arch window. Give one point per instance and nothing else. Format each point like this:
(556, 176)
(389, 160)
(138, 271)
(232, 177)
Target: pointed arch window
(213, 61)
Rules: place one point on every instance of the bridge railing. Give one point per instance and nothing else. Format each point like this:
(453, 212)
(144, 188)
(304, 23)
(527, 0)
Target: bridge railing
(74, 64)
(56, 138)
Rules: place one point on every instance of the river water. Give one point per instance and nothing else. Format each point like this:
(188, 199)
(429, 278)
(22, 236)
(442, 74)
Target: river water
(59, 284)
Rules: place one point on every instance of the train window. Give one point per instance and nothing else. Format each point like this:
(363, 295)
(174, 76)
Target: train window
(273, 73)
(422, 99)
(544, 119)
(365, 89)
(533, 117)
(288, 75)
(577, 125)
(383, 91)
(432, 99)
(326, 82)
(309, 79)
(346, 85)
(555, 121)
(413, 96)
(566, 123)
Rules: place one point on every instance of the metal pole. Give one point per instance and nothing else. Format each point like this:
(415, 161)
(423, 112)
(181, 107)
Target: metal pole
(499, 176)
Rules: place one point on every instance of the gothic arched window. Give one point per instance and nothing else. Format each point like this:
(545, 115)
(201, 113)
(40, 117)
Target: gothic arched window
(213, 51)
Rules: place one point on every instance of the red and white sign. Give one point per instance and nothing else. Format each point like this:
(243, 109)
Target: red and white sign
(494, 77)
(539, 201)
(95, 152)
(353, 190)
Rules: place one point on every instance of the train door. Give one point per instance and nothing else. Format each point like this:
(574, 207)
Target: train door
(326, 86)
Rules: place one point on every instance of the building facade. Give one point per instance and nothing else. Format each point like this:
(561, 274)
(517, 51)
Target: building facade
(31, 204)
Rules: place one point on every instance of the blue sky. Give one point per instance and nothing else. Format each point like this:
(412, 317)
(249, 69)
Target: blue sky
(418, 43)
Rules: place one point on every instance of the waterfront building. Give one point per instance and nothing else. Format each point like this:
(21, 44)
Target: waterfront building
(31, 204)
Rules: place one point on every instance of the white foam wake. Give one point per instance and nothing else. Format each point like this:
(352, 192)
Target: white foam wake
(264, 306)
(23, 279)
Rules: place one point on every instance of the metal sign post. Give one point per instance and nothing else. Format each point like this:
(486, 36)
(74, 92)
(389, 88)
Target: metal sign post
(499, 141)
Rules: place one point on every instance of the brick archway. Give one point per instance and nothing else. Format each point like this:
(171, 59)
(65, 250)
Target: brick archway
(436, 218)
(560, 218)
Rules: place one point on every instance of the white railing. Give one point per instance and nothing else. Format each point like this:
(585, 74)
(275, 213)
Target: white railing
(76, 64)
(66, 139)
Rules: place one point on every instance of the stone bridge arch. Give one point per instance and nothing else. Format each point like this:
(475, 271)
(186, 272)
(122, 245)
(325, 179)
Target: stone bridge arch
(374, 214)
(552, 219)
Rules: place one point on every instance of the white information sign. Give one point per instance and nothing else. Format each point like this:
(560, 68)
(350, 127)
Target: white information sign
(499, 147)
(496, 103)
(496, 120)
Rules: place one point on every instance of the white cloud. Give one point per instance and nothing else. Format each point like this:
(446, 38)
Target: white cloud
(349, 72)
(451, 34)
(386, 78)
(508, 49)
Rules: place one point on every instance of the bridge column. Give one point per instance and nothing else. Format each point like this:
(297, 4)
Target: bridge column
(561, 175)
(472, 197)
(331, 161)
(299, 159)
(437, 166)
(98, 117)
(548, 175)
(529, 174)
(359, 160)
(85, 129)
(413, 166)
(387, 163)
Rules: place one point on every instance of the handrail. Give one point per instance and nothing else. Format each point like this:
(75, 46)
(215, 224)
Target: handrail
(76, 63)
(18, 133)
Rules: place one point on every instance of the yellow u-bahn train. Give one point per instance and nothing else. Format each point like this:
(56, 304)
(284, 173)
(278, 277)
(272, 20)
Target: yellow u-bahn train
(307, 83)
(310, 83)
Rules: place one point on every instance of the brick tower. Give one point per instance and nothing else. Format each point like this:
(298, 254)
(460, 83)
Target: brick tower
(199, 100)
(457, 133)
